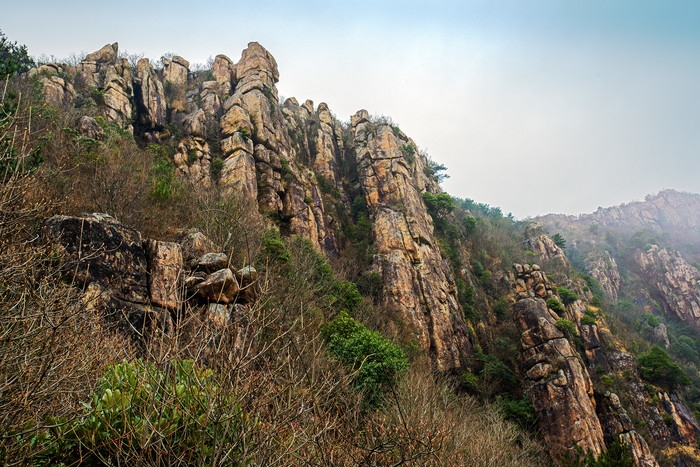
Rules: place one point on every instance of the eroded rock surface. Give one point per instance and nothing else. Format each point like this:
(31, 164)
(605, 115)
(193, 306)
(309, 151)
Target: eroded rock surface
(559, 386)
(677, 282)
(417, 281)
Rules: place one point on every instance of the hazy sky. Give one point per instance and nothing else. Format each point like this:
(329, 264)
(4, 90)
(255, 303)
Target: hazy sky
(534, 106)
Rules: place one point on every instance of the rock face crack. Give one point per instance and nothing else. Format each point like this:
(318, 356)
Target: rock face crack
(559, 386)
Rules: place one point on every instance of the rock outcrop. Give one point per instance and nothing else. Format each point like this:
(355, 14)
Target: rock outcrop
(147, 281)
(149, 95)
(417, 282)
(559, 386)
(676, 282)
(603, 268)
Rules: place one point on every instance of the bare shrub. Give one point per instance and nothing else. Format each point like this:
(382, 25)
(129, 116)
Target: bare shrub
(430, 425)
(51, 348)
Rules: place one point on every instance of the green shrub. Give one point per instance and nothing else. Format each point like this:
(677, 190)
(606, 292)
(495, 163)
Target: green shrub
(589, 318)
(567, 295)
(273, 248)
(653, 320)
(520, 411)
(555, 305)
(657, 367)
(438, 205)
(376, 361)
(141, 413)
(607, 380)
(370, 284)
(501, 307)
(567, 327)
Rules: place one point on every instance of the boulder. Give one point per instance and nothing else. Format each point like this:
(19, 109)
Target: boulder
(98, 248)
(88, 126)
(211, 262)
(220, 287)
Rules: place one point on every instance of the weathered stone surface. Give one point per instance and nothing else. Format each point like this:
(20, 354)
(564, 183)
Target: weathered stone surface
(224, 72)
(193, 161)
(617, 426)
(220, 286)
(88, 126)
(58, 91)
(98, 248)
(529, 281)
(165, 269)
(118, 91)
(685, 428)
(149, 95)
(417, 282)
(239, 176)
(546, 250)
(677, 282)
(176, 71)
(194, 245)
(257, 69)
(211, 262)
(107, 54)
(559, 386)
(603, 268)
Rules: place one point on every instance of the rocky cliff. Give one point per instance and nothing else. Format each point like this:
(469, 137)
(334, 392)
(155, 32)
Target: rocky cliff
(364, 196)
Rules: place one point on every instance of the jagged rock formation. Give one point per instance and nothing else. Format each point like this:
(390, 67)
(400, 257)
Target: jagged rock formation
(417, 282)
(558, 384)
(603, 268)
(676, 281)
(302, 169)
(560, 388)
(573, 415)
(149, 96)
(145, 280)
(617, 425)
(57, 90)
(547, 251)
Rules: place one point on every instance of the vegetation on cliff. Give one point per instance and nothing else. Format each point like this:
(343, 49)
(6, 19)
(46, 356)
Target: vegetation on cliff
(364, 317)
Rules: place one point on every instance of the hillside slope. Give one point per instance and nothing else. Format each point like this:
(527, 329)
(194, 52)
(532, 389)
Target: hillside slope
(275, 228)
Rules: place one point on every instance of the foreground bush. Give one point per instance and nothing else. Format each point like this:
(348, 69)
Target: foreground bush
(377, 361)
(143, 414)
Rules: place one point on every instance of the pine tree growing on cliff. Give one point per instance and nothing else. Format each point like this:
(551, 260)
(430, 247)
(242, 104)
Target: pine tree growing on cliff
(13, 57)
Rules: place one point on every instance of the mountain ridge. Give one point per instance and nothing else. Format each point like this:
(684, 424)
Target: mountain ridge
(506, 310)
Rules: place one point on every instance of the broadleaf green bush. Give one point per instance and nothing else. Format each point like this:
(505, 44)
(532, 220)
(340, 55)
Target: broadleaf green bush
(141, 412)
(376, 361)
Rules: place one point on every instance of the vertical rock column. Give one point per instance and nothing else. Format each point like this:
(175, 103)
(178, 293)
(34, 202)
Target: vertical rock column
(417, 281)
(560, 388)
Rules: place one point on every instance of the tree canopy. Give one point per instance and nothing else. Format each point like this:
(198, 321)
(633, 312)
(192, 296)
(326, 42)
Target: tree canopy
(13, 57)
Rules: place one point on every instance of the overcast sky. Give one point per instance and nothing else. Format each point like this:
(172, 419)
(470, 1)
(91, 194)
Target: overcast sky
(535, 106)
